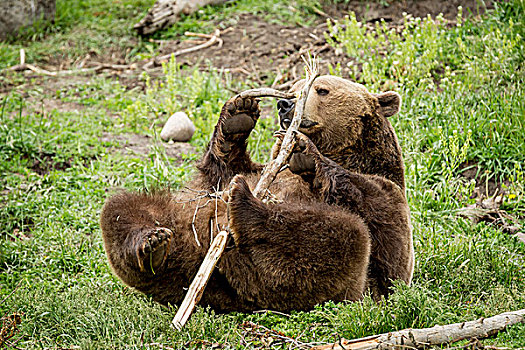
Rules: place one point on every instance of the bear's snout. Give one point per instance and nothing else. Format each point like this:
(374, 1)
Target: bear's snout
(285, 109)
(284, 106)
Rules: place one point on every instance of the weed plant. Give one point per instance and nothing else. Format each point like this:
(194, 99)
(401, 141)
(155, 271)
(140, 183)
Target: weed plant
(462, 89)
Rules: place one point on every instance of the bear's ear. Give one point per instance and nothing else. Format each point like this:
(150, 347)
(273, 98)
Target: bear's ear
(389, 103)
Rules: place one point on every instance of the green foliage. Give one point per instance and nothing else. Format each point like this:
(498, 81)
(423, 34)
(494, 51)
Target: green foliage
(408, 56)
(57, 165)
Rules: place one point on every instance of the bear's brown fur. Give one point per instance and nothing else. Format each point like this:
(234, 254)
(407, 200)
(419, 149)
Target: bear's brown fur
(339, 224)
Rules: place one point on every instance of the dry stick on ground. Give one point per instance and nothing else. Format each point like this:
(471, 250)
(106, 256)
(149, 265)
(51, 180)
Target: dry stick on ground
(437, 335)
(270, 171)
(213, 39)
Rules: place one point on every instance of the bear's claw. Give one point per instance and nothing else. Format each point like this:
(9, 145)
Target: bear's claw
(154, 248)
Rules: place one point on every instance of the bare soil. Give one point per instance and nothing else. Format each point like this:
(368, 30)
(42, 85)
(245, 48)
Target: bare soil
(142, 145)
(262, 51)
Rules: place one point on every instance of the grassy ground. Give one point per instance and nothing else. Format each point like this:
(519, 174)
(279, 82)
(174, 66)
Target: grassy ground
(462, 87)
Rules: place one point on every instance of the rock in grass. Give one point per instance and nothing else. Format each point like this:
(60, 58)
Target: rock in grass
(178, 128)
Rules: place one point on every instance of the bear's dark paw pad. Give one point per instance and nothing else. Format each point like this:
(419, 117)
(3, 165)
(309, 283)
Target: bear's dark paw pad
(242, 114)
(238, 124)
(153, 249)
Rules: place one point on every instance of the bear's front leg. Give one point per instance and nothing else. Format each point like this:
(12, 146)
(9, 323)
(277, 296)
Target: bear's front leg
(334, 184)
(227, 155)
(378, 201)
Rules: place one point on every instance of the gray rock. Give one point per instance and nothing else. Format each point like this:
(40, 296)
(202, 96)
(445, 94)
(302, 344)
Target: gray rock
(16, 14)
(178, 128)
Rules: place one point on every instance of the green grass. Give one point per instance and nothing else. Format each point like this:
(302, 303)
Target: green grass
(51, 253)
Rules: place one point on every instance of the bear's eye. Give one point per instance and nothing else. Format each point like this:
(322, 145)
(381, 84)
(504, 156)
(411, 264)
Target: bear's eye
(321, 91)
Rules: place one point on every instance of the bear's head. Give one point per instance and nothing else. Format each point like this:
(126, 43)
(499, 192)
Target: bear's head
(349, 125)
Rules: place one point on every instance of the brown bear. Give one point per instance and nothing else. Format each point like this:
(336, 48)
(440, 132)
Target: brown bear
(338, 222)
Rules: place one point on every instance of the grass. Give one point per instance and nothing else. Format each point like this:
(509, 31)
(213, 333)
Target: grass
(55, 174)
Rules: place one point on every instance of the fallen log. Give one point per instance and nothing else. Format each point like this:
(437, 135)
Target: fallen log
(268, 175)
(164, 13)
(437, 335)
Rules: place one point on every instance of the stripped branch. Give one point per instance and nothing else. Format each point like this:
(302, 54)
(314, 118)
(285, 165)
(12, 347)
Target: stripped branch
(437, 335)
(266, 92)
(201, 279)
(273, 167)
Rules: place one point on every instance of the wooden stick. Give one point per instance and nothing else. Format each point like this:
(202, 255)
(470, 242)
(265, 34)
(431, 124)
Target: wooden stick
(213, 39)
(201, 279)
(273, 167)
(266, 92)
(437, 335)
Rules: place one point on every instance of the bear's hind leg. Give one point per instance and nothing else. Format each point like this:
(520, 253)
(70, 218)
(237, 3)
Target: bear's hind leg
(136, 237)
(293, 255)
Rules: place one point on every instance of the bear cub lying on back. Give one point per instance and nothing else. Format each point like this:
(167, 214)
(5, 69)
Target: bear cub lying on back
(339, 224)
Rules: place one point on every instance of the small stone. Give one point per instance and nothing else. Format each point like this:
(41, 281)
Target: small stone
(178, 128)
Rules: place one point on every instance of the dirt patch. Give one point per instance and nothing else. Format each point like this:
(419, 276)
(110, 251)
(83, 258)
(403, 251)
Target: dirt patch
(371, 11)
(486, 184)
(142, 145)
(44, 162)
(270, 53)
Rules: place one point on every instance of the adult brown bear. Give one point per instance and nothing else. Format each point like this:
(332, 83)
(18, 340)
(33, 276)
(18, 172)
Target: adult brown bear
(339, 222)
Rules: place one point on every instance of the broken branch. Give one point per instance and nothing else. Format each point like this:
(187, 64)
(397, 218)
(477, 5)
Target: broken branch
(437, 335)
(273, 167)
(201, 279)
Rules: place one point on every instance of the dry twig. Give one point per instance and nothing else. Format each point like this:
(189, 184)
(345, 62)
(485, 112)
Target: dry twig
(201, 279)
(270, 337)
(213, 39)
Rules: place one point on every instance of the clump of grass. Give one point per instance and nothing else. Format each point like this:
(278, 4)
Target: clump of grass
(201, 95)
